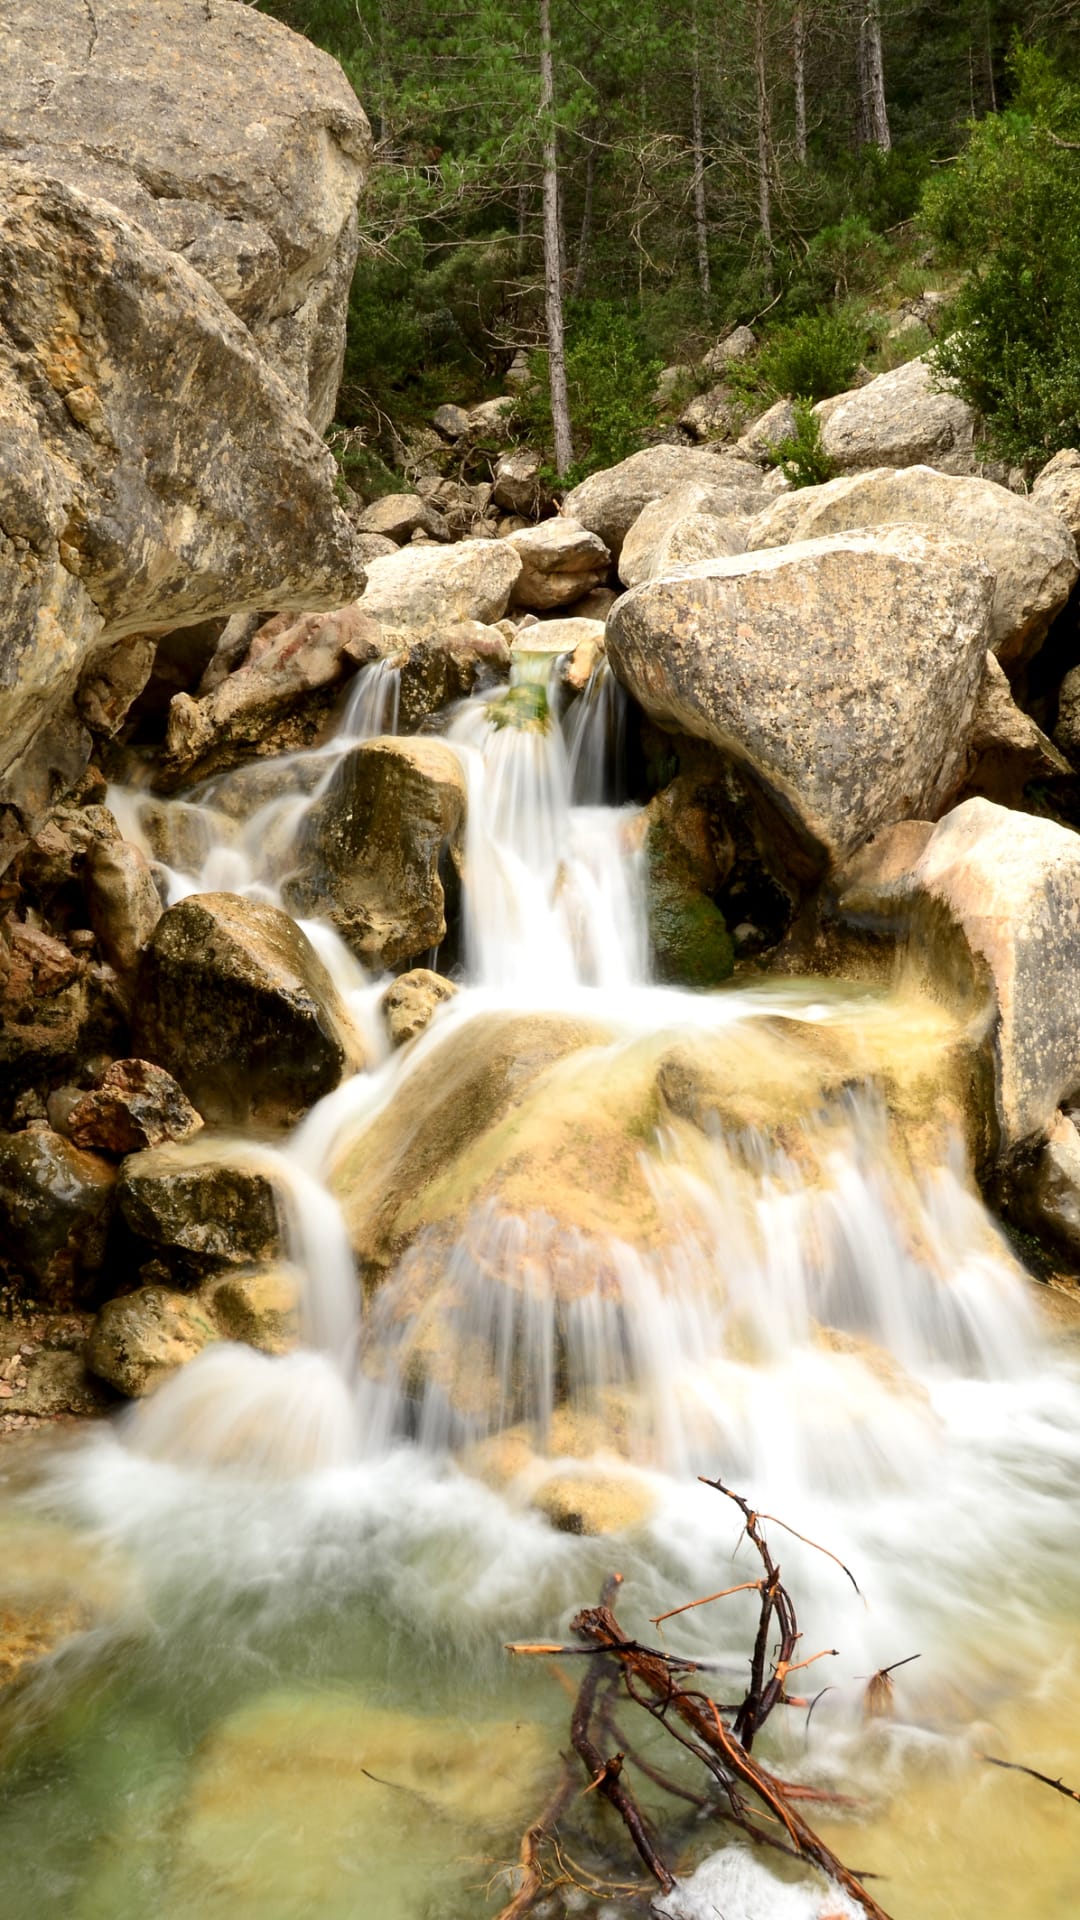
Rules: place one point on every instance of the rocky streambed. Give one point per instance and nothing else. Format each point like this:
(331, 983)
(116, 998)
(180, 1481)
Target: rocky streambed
(504, 1010)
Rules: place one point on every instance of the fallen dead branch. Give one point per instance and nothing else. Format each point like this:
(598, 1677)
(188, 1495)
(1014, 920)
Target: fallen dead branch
(1013, 1766)
(719, 1735)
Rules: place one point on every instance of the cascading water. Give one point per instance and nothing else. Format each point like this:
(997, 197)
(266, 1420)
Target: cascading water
(788, 1287)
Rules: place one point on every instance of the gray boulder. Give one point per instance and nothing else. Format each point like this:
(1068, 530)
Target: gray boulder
(1032, 554)
(692, 522)
(608, 503)
(560, 563)
(842, 674)
(899, 420)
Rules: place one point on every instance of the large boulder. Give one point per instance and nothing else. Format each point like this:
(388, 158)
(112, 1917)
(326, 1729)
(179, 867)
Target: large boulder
(693, 522)
(54, 1209)
(993, 897)
(421, 589)
(199, 1208)
(234, 1001)
(1032, 554)
(233, 142)
(608, 503)
(901, 419)
(842, 674)
(376, 846)
(1056, 488)
(156, 472)
(560, 562)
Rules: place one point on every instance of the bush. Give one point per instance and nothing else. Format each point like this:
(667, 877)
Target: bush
(802, 454)
(1010, 208)
(810, 359)
(610, 378)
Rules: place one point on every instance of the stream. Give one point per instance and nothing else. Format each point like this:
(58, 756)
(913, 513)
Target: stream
(292, 1698)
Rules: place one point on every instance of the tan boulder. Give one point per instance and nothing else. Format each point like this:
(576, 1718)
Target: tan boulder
(560, 562)
(608, 503)
(842, 673)
(200, 1206)
(1007, 749)
(374, 845)
(1056, 488)
(260, 1307)
(900, 419)
(692, 522)
(421, 589)
(1033, 556)
(411, 1002)
(141, 1339)
(398, 515)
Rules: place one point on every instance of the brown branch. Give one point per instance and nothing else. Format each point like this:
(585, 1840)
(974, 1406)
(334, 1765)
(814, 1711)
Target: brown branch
(747, 1586)
(605, 1775)
(1014, 1766)
(532, 1876)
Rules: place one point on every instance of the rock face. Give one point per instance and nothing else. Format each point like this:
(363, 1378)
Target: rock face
(685, 863)
(233, 999)
(608, 503)
(1001, 891)
(1049, 1197)
(841, 673)
(1032, 553)
(156, 472)
(139, 1340)
(899, 420)
(560, 562)
(1057, 488)
(230, 140)
(421, 589)
(374, 845)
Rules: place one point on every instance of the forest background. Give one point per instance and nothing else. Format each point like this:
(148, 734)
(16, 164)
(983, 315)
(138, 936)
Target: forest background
(614, 187)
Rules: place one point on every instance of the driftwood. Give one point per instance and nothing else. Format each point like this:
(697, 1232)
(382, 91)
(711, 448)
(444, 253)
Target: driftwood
(719, 1735)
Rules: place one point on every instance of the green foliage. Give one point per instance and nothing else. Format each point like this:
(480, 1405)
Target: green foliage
(846, 258)
(802, 454)
(811, 358)
(610, 378)
(1010, 210)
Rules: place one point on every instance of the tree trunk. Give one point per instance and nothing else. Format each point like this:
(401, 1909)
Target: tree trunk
(874, 115)
(799, 49)
(553, 293)
(763, 143)
(585, 235)
(701, 222)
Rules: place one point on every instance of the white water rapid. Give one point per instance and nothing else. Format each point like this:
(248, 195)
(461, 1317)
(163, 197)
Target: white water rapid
(807, 1299)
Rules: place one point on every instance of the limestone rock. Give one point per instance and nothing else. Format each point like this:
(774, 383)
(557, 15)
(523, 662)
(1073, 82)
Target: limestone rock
(200, 1207)
(192, 485)
(398, 515)
(1056, 488)
(233, 142)
(1007, 749)
(560, 562)
(111, 681)
(448, 666)
(715, 414)
(374, 546)
(994, 898)
(55, 1380)
(765, 433)
(899, 420)
(409, 1004)
(492, 416)
(517, 484)
(1032, 554)
(290, 659)
(452, 422)
(142, 1338)
(123, 903)
(608, 503)
(738, 345)
(234, 1001)
(842, 674)
(261, 1308)
(134, 1105)
(374, 845)
(422, 589)
(54, 1210)
(692, 522)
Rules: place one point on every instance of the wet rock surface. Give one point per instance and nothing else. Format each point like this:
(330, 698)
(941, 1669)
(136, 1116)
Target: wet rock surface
(55, 1203)
(233, 1000)
(134, 1105)
(201, 1207)
(140, 1340)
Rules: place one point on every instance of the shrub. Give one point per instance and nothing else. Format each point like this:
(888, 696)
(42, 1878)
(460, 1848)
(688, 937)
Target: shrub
(802, 454)
(1010, 208)
(811, 358)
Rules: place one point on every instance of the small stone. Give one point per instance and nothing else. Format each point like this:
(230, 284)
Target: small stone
(409, 1005)
(135, 1105)
(140, 1339)
(451, 421)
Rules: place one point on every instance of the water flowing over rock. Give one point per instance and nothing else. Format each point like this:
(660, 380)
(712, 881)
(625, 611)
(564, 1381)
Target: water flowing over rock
(133, 502)
(231, 141)
(420, 590)
(994, 898)
(608, 503)
(901, 419)
(1032, 554)
(234, 1001)
(374, 845)
(841, 673)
